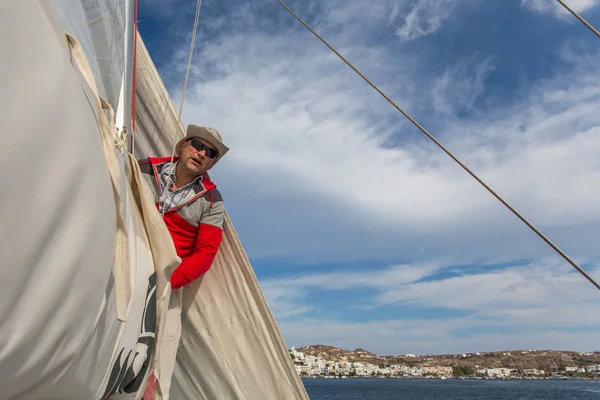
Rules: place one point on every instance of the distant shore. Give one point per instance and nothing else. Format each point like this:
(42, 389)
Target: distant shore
(327, 362)
(478, 378)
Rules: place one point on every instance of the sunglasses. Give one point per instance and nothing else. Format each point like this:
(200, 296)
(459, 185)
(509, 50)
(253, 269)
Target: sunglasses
(198, 145)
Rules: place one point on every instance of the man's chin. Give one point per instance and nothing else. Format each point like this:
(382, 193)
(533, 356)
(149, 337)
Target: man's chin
(194, 169)
(198, 171)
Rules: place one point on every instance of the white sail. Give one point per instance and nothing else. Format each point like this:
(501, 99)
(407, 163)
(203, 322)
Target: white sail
(98, 26)
(77, 277)
(66, 189)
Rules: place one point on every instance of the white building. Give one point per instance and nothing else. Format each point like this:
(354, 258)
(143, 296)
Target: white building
(320, 363)
(298, 355)
(499, 372)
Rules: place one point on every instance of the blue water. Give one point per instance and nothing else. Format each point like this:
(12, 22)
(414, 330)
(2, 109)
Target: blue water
(452, 389)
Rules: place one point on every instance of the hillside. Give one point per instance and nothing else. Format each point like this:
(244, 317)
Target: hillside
(549, 360)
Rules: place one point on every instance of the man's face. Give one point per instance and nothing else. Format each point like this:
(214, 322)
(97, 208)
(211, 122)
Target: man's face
(195, 161)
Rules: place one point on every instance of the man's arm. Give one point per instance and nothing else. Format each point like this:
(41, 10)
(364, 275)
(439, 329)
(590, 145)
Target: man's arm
(208, 239)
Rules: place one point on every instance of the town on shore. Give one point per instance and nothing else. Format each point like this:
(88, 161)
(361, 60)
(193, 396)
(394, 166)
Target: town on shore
(319, 361)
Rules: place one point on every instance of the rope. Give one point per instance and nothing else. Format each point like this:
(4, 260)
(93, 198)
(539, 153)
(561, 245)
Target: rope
(187, 75)
(579, 17)
(441, 146)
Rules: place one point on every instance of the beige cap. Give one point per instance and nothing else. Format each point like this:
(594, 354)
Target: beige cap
(207, 133)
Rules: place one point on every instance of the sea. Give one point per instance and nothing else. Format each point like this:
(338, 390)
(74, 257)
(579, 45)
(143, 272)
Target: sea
(451, 389)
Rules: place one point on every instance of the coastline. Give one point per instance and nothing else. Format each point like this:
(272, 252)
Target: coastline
(477, 378)
(328, 362)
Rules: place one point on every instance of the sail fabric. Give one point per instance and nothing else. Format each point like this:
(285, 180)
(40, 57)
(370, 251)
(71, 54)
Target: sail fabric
(53, 281)
(80, 268)
(230, 346)
(144, 250)
(98, 26)
(157, 126)
(68, 199)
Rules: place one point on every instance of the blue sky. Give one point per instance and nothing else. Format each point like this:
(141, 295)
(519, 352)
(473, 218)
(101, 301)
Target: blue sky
(364, 234)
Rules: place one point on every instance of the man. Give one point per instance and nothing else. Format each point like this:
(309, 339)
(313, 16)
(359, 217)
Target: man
(192, 206)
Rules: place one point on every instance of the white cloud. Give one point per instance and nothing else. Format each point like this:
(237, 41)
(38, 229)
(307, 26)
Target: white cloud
(285, 301)
(392, 277)
(421, 17)
(525, 287)
(354, 17)
(460, 86)
(533, 305)
(302, 127)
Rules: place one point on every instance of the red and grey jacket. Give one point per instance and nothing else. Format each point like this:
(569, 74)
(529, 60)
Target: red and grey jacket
(196, 226)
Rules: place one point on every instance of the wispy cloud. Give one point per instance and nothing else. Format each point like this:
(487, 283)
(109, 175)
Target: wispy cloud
(285, 302)
(394, 276)
(544, 300)
(523, 287)
(459, 87)
(420, 17)
(292, 110)
(519, 287)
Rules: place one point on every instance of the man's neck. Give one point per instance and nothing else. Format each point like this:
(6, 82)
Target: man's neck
(182, 177)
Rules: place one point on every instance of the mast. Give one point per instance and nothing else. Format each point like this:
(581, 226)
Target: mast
(124, 110)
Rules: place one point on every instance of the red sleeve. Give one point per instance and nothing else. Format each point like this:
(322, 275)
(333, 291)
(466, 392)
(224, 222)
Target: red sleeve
(208, 239)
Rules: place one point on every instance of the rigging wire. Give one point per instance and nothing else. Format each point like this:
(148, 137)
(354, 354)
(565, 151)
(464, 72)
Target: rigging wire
(187, 73)
(579, 17)
(449, 153)
(185, 82)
